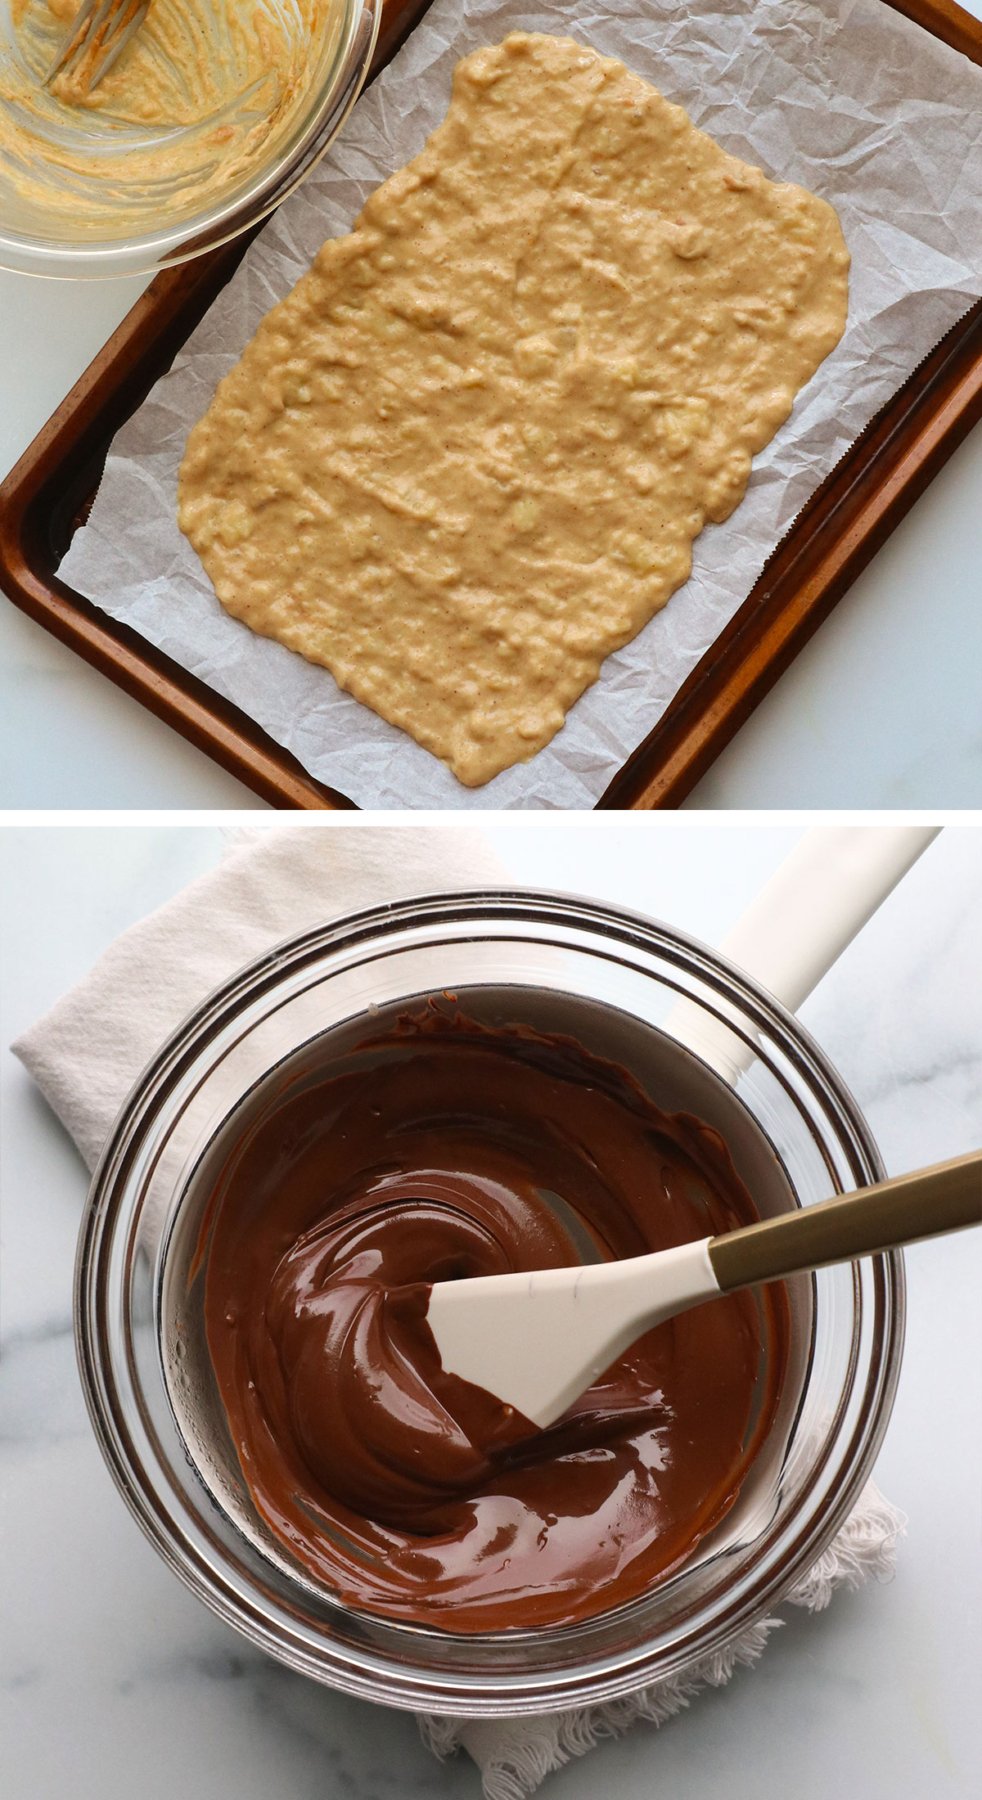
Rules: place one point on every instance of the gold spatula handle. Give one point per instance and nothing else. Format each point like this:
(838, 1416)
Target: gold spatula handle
(946, 1197)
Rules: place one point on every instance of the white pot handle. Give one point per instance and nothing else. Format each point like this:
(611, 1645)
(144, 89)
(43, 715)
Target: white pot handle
(802, 920)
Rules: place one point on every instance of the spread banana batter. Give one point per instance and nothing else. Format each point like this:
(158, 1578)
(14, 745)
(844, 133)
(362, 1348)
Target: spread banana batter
(466, 458)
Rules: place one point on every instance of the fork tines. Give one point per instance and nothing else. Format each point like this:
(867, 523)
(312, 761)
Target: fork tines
(98, 34)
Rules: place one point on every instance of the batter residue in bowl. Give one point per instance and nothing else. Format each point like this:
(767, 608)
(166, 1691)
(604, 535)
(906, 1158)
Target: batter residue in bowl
(187, 112)
(443, 1147)
(465, 459)
(187, 61)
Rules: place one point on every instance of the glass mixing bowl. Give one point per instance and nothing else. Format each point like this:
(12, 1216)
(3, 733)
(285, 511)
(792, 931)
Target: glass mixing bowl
(703, 1037)
(244, 101)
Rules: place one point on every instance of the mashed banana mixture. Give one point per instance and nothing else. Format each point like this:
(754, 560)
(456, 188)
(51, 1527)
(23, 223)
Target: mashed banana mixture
(466, 457)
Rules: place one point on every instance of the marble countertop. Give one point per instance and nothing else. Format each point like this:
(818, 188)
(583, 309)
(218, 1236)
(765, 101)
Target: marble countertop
(115, 1681)
(880, 710)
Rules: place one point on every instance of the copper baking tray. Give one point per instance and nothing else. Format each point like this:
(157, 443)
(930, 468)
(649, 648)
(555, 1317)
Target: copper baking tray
(48, 494)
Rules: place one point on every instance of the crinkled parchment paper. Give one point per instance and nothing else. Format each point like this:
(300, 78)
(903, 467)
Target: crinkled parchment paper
(844, 96)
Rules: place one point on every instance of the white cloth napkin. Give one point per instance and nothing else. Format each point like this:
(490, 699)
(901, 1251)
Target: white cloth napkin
(89, 1049)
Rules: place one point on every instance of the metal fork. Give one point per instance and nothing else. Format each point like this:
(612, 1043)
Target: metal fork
(98, 34)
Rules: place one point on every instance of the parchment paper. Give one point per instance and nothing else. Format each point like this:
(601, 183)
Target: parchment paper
(844, 96)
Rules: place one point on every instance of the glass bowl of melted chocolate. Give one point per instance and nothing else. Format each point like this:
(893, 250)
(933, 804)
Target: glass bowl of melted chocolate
(449, 1087)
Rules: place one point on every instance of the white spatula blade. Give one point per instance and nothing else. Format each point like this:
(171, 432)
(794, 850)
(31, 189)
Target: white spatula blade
(536, 1341)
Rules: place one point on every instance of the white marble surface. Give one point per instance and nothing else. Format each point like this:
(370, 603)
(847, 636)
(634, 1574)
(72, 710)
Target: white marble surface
(114, 1681)
(880, 710)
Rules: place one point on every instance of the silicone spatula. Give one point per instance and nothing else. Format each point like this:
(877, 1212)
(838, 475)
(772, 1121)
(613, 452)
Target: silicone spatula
(538, 1340)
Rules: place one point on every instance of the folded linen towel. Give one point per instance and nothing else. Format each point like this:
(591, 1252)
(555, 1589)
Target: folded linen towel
(88, 1050)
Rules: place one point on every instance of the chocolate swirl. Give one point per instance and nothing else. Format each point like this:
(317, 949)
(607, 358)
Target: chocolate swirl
(440, 1149)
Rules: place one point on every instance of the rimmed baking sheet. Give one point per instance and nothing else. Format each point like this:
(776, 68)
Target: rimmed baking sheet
(906, 280)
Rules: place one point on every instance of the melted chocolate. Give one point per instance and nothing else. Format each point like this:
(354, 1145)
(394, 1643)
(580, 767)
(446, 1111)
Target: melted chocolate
(445, 1148)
